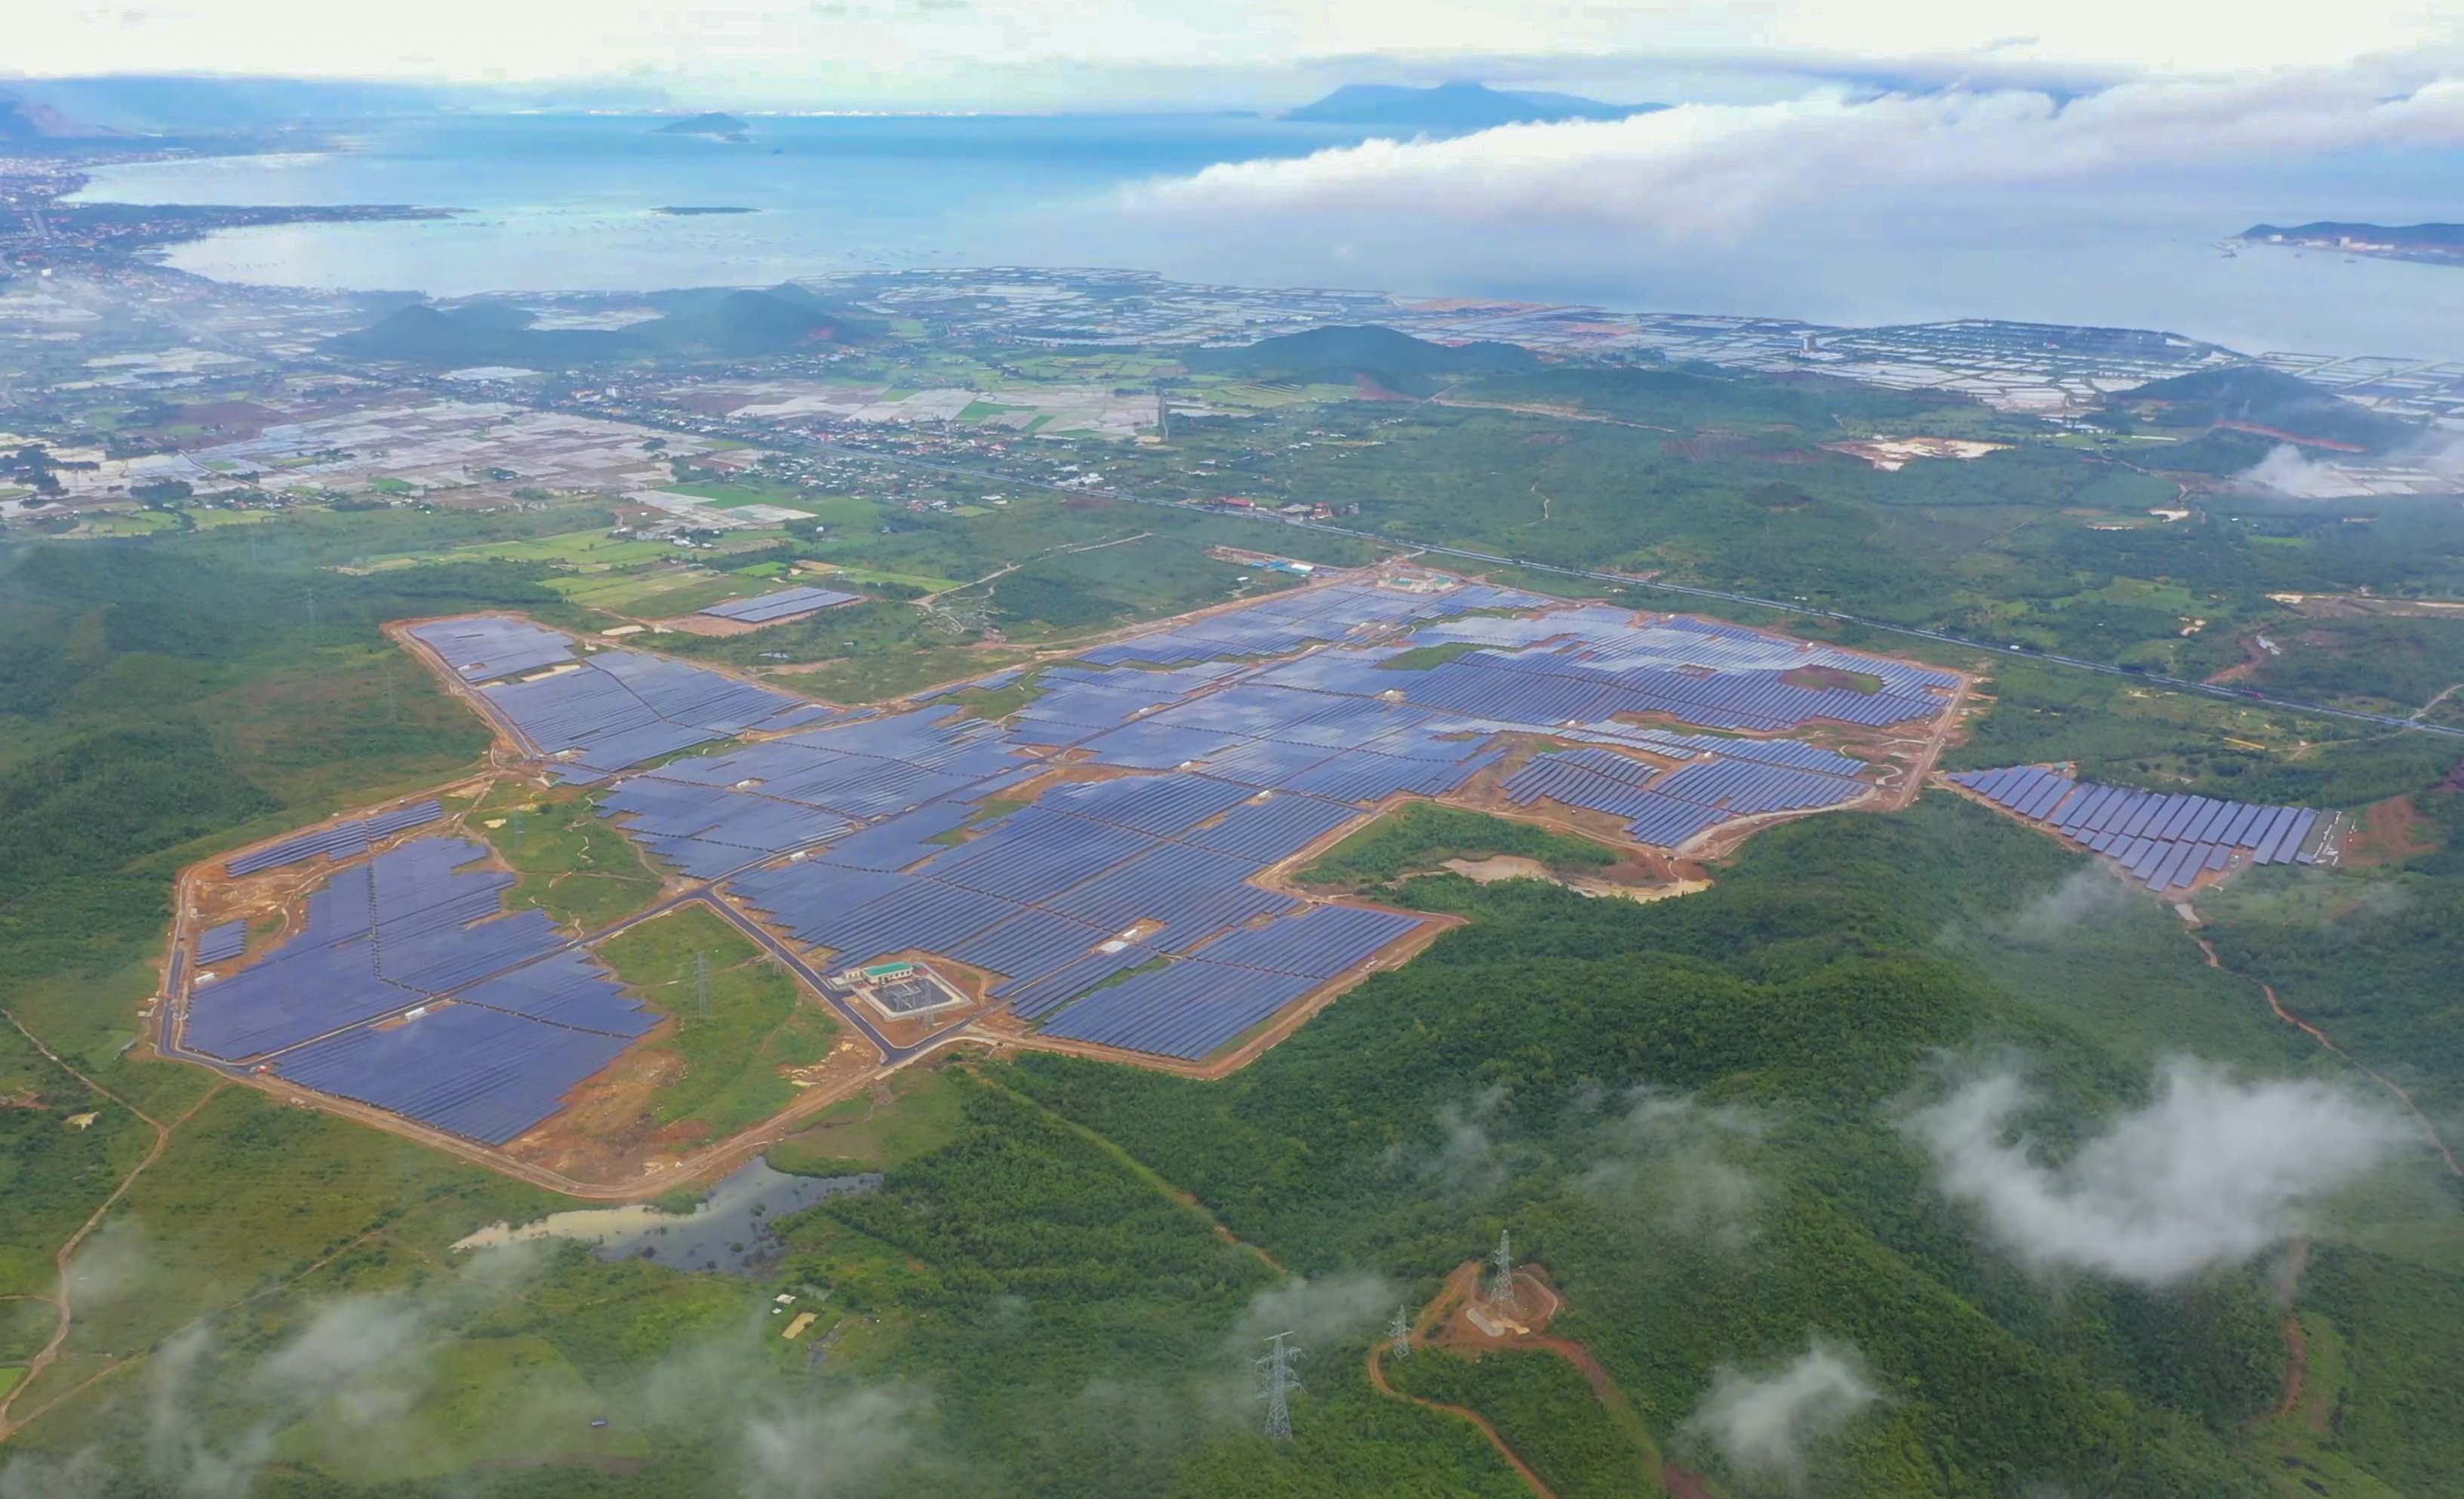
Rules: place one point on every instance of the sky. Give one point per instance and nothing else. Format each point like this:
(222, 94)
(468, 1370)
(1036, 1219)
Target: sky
(1037, 54)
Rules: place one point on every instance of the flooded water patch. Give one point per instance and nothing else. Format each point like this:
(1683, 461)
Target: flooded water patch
(730, 1230)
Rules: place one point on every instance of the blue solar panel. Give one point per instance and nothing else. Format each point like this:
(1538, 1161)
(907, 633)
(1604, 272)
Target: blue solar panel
(2163, 841)
(216, 943)
(784, 604)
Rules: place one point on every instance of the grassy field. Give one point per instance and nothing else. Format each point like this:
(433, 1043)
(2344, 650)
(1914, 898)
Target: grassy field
(758, 1022)
(913, 1114)
(868, 679)
(1420, 836)
(572, 863)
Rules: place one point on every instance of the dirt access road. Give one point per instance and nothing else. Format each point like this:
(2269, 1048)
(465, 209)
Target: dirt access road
(1445, 1325)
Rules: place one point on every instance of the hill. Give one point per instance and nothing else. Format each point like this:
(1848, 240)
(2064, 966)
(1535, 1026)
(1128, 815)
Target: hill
(24, 120)
(1453, 106)
(727, 128)
(1350, 355)
(716, 321)
(2449, 238)
(2271, 403)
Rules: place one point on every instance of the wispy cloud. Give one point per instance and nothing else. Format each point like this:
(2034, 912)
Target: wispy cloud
(1768, 1423)
(1682, 1161)
(2213, 1171)
(1722, 170)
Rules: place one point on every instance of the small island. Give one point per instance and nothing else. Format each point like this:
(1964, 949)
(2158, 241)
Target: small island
(2436, 244)
(696, 210)
(725, 127)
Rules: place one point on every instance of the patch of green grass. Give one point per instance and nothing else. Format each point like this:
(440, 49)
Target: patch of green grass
(869, 678)
(571, 863)
(758, 1022)
(510, 1399)
(915, 1112)
(1420, 658)
(1423, 835)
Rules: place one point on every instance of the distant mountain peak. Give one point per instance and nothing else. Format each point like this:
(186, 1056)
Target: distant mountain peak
(1461, 104)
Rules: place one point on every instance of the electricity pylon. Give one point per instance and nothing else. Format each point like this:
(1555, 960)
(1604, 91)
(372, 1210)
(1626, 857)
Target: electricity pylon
(1399, 1334)
(1281, 1377)
(1501, 1275)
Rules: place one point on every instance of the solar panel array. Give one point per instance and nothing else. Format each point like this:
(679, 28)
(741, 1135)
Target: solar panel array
(1248, 761)
(1042, 898)
(1667, 807)
(1283, 623)
(216, 943)
(341, 841)
(1258, 761)
(2163, 842)
(1595, 663)
(715, 813)
(613, 709)
(784, 604)
(424, 927)
(488, 647)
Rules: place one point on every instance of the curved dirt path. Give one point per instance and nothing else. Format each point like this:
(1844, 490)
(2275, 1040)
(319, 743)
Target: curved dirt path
(2437, 1142)
(36, 1366)
(1378, 1378)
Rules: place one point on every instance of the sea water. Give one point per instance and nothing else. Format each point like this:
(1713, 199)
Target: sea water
(565, 201)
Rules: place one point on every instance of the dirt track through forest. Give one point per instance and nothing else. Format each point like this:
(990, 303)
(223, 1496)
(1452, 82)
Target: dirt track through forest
(2437, 1142)
(50, 1354)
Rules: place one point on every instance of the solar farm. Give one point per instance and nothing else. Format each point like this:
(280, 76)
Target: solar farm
(1104, 865)
(2165, 843)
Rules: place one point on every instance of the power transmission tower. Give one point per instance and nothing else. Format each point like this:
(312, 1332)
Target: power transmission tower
(1163, 413)
(701, 981)
(1399, 1334)
(1281, 1379)
(1501, 1274)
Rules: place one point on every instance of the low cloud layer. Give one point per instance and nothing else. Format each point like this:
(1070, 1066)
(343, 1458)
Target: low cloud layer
(1682, 1161)
(2214, 1171)
(1316, 1311)
(1770, 1424)
(1717, 171)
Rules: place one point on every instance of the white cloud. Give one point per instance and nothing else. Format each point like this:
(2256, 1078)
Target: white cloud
(1319, 1310)
(812, 1451)
(2214, 1171)
(1724, 170)
(1678, 1159)
(1767, 1425)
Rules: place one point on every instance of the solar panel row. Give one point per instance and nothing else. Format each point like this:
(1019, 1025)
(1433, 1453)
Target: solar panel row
(341, 841)
(411, 924)
(784, 604)
(2163, 841)
(216, 943)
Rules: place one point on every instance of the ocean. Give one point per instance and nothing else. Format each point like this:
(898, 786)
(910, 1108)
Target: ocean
(567, 202)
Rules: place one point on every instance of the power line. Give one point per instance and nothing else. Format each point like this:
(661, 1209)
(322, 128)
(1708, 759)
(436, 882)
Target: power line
(1281, 1377)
